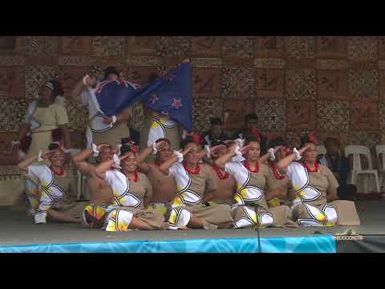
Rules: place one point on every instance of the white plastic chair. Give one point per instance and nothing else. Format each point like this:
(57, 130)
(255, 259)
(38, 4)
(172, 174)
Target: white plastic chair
(356, 151)
(380, 150)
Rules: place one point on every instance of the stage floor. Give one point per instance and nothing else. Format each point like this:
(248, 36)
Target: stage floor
(18, 229)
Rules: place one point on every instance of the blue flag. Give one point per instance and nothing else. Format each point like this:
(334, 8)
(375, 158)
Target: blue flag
(113, 96)
(171, 95)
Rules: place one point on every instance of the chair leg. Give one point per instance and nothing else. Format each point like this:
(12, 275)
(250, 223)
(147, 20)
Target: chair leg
(354, 179)
(79, 184)
(381, 180)
(377, 182)
(366, 183)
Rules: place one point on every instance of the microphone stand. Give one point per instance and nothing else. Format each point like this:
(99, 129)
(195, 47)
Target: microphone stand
(256, 206)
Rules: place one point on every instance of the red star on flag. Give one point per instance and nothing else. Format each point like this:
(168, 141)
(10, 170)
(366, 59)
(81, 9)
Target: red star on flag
(177, 103)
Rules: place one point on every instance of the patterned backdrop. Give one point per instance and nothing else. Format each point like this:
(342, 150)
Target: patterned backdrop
(333, 85)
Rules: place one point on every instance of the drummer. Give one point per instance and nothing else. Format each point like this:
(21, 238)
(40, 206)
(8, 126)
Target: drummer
(101, 129)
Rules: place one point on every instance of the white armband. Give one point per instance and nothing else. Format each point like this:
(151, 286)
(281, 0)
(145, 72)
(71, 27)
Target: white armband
(70, 150)
(84, 80)
(179, 155)
(95, 150)
(240, 142)
(39, 156)
(114, 119)
(238, 155)
(116, 161)
(119, 146)
(297, 154)
(207, 149)
(154, 149)
(271, 153)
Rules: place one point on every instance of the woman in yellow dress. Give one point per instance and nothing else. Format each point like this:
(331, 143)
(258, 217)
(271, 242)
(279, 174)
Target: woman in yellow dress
(45, 117)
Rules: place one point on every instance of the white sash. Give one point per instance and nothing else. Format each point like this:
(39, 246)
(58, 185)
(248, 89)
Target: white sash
(158, 128)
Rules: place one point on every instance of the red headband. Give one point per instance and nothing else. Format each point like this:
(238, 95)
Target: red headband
(196, 138)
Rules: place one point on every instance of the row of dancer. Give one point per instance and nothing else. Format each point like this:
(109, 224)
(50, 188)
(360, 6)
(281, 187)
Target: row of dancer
(227, 185)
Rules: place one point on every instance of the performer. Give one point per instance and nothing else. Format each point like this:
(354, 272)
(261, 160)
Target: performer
(101, 129)
(100, 192)
(164, 186)
(216, 133)
(250, 174)
(315, 187)
(132, 194)
(339, 165)
(193, 179)
(54, 194)
(158, 126)
(226, 187)
(278, 184)
(45, 118)
(250, 130)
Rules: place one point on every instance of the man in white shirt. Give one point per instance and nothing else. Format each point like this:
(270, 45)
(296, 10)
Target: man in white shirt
(101, 129)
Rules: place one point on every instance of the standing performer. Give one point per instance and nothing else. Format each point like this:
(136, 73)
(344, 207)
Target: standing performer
(45, 118)
(101, 129)
(158, 126)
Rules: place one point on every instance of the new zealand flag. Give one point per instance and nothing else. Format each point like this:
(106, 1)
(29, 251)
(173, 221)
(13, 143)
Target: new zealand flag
(113, 96)
(169, 95)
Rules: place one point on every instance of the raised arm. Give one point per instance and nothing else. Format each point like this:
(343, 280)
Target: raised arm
(24, 164)
(286, 161)
(144, 154)
(80, 161)
(270, 154)
(168, 164)
(177, 156)
(102, 168)
(222, 160)
(81, 86)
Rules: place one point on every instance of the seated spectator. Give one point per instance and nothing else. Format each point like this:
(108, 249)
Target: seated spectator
(339, 165)
(250, 130)
(216, 133)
